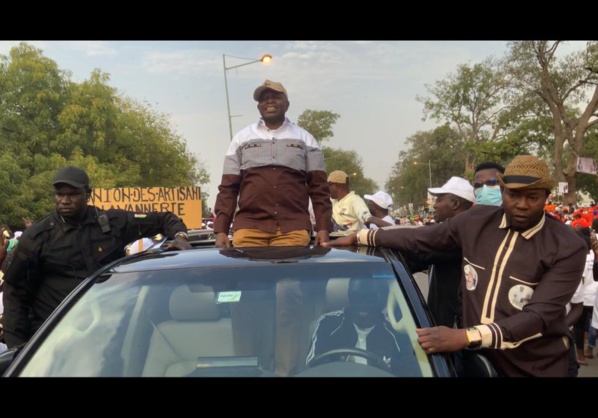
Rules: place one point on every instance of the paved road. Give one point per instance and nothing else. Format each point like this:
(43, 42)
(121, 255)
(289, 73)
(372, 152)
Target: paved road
(589, 370)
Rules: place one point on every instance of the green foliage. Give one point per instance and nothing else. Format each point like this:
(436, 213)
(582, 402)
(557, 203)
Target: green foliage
(350, 163)
(318, 123)
(205, 209)
(432, 156)
(47, 121)
(533, 100)
(567, 88)
(466, 96)
(473, 102)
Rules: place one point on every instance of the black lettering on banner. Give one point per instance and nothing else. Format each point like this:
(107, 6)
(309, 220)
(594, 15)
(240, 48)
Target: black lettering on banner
(193, 193)
(150, 199)
(135, 194)
(96, 195)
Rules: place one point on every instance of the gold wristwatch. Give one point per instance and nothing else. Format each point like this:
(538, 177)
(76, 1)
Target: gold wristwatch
(474, 337)
(181, 234)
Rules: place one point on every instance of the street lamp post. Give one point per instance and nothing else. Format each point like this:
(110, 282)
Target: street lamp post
(266, 59)
(429, 169)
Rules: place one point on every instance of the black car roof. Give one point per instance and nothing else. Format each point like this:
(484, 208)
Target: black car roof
(239, 257)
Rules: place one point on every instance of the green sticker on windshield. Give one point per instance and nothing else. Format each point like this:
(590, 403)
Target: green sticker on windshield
(227, 297)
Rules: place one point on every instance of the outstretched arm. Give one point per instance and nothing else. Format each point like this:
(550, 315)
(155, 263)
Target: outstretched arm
(346, 241)
(377, 221)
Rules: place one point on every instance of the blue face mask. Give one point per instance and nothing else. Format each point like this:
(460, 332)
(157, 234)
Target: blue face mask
(488, 195)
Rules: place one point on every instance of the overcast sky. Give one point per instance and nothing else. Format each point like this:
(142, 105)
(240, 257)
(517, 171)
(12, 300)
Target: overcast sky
(372, 85)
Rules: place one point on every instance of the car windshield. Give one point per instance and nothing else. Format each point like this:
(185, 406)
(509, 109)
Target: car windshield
(350, 319)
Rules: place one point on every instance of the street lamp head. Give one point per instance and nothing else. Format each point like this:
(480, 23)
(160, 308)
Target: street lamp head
(429, 164)
(266, 58)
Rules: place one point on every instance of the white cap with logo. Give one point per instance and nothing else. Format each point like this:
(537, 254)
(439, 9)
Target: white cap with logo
(457, 186)
(380, 198)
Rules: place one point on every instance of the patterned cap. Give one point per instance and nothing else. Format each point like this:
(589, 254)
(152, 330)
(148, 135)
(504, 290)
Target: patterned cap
(269, 85)
(527, 172)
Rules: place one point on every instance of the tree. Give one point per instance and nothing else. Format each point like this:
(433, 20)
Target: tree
(318, 123)
(350, 163)
(472, 101)
(586, 182)
(437, 154)
(48, 121)
(568, 87)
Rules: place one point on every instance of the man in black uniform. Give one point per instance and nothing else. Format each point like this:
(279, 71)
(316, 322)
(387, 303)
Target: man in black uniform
(60, 250)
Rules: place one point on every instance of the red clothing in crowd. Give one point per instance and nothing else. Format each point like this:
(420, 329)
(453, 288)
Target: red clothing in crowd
(580, 222)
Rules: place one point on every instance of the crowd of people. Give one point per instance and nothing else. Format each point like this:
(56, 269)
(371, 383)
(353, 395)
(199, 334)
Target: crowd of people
(511, 274)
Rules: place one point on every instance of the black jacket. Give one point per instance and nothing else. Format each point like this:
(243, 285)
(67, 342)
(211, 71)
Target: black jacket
(54, 256)
(334, 330)
(444, 290)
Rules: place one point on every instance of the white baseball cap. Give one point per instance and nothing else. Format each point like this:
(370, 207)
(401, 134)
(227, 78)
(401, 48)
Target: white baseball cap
(380, 198)
(457, 186)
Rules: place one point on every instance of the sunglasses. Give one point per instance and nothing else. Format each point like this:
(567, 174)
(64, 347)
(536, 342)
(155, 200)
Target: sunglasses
(490, 182)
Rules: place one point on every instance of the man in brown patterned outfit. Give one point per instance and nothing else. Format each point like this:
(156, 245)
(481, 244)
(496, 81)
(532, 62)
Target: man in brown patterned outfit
(524, 267)
(272, 170)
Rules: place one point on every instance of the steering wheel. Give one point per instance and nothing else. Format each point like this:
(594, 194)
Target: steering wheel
(351, 351)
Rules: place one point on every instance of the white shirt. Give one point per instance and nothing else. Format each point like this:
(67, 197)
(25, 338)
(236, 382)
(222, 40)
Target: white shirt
(387, 218)
(362, 335)
(595, 313)
(587, 288)
(312, 215)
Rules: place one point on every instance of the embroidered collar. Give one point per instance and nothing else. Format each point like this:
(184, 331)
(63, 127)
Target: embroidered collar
(528, 233)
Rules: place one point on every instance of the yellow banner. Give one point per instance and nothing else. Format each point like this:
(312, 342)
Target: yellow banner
(185, 202)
